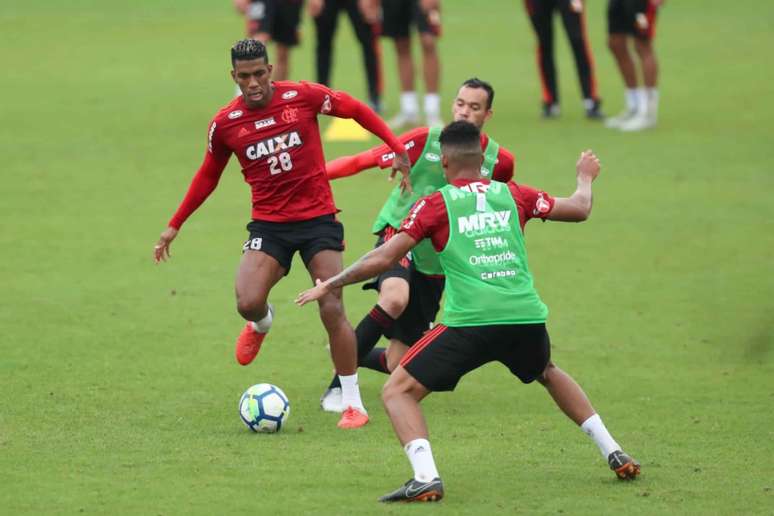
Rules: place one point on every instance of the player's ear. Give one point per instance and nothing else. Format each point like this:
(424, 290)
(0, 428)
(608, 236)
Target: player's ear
(233, 75)
(270, 67)
(488, 115)
(444, 161)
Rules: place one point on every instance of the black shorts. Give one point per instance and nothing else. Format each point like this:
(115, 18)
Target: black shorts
(398, 15)
(281, 240)
(445, 355)
(278, 18)
(634, 17)
(424, 297)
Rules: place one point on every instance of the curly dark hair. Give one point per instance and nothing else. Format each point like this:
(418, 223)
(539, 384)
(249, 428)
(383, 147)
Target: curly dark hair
(248, 49)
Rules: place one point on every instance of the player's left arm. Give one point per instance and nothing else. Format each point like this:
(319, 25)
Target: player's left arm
(342, 105)
(577, 207)
(369, 265)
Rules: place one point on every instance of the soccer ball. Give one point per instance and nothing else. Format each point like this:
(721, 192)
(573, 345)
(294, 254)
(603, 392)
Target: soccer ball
(264, 408)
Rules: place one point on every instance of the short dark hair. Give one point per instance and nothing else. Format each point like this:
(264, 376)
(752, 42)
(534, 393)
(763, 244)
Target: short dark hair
(475, 82)
(247, 50)
(462, 135)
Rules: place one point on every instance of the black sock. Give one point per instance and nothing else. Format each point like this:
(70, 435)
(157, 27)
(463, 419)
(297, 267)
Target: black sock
(368, 333)
(376, 359)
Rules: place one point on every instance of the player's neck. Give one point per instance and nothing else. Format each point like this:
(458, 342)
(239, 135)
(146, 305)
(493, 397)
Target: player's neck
(465, 175)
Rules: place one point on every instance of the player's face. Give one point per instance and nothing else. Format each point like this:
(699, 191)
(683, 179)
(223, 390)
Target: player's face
(470, 105)
(254, 80)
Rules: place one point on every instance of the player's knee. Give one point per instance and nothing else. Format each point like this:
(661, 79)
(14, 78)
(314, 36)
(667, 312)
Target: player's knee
(331, 310)
(616, 45)
(251, 309)
(428, 43)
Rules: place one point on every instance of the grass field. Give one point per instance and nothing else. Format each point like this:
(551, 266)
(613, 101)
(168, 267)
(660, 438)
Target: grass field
(119, 388)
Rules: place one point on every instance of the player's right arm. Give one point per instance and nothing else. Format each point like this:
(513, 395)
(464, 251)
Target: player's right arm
(577, 207)
(380, 156)
(203, 184)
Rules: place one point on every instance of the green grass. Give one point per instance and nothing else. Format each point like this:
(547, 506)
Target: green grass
(119, 389)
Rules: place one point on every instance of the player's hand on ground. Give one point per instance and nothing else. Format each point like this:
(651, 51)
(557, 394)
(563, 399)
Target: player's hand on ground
(401, 163)
(588, 165)
(313, 294)
(161, 249)
(315, 7)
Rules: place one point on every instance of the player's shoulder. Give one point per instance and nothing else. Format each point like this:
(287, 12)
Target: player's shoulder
(231, 111)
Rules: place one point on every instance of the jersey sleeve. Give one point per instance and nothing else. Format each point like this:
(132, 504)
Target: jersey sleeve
(427, 219)
(206, 178)
(342, 105)
(505, 166)
(536, 204)
(413, 141)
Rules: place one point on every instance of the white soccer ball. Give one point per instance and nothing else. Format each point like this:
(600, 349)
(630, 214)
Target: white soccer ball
(264, 408)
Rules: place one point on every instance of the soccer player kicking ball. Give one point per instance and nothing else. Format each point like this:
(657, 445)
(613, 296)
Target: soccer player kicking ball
(410, 291)
(272, 129)
(492, 310)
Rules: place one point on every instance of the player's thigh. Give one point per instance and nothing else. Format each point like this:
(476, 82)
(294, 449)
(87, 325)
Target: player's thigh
(395, 351)
(402, 382)
(444, 355)
(423, 304)
(258, 272)
(525, 349)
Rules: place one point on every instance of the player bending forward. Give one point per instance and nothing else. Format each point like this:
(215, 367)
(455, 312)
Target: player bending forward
(492, 310)
(272, 129)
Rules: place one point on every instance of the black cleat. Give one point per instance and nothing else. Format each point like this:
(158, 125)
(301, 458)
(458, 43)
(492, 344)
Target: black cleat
(595, 111)
(625, 467)
(416, 491)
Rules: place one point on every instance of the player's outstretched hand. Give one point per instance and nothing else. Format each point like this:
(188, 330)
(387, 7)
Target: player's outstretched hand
(401, 163)
(313, 294)
(161, 249)
(588, 165)
(315, 7)
(370, 9)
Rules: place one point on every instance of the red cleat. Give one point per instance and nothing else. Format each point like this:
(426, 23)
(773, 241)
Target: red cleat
(248, 344)
(352, 418)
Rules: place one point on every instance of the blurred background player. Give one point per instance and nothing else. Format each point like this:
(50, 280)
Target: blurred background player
(541, 14)
(277, 21)
(635, 20)
(364, 16)
(492, 311)
(398, 16)
(410, 291)
(273, 131)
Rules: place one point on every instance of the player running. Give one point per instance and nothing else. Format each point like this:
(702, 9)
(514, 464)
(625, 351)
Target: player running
(272, 129)
(492, 310)
(410, 292)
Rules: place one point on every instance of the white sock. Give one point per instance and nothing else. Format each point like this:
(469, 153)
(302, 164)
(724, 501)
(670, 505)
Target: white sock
(595, 428)
(642, 101)
(264, 324)
(632, 99)
(350, 392)
(652, 96)
(421, 457)
(432, 104)
(409, 105)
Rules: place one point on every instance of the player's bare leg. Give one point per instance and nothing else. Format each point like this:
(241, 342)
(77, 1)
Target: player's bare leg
(647, 112)
(409, 106)
(322, 266)
(569, 397)
(394, 353)
(281, 62)
(401, 396)
(432, 72)
(393, 298)
(619, 46)
(258, 273)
